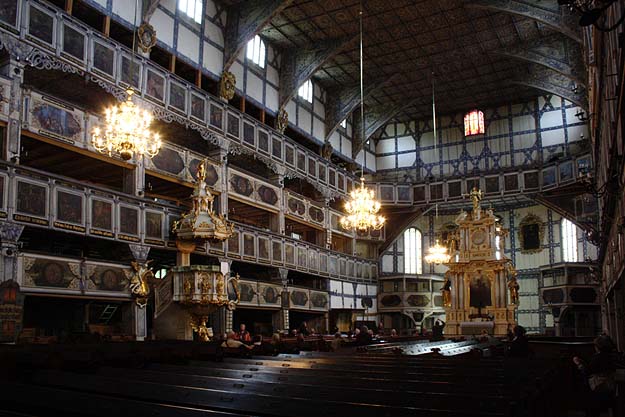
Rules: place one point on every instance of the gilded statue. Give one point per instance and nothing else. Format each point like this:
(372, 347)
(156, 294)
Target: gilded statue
(198, 325)
(139, 286)
(282, 121)
(476, 197)
(446, 291)
(188, 287)
(221, 287)
(206, 286)
(513, 286)
(227, 85)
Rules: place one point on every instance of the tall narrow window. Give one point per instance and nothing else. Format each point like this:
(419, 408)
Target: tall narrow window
(474, 123)
(256, 51)
(306, 91)
(498, 247)
(569, 241)
(413, 259)
(192, 8)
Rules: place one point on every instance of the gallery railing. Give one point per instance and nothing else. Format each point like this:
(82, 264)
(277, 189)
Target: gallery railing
(56, 119)
(46, 37)
(33, 197)
(523, 180)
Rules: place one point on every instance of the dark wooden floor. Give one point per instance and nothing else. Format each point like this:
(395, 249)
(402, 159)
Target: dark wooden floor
(170, 381)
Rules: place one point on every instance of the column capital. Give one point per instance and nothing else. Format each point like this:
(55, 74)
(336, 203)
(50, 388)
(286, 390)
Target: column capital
(139, 252)
(10, 232)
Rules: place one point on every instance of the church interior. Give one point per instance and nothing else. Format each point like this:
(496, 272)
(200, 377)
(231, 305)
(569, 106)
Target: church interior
(282, 207)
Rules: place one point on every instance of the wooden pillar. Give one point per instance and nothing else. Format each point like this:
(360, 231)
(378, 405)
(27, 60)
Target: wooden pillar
(242, 105)
(106, 27)
(69, 6)
(172, 64)
(198, 78)
(262, 116)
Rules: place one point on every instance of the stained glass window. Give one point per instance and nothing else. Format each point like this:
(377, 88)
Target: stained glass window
(474, 123)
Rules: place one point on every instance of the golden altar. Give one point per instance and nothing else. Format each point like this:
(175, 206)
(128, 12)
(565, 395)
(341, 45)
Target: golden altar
(480, 290)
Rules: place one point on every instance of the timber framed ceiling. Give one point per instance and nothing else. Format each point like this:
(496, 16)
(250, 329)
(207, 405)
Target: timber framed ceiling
(481, 52)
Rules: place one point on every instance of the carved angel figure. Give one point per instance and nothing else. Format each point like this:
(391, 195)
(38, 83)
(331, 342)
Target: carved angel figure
(199, 326)
(232, 304)
(139, 286)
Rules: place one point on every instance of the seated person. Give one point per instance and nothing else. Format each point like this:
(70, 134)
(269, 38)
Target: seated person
(243, 335)
(519, 347)
(363, 337)
(336, 343)
(232, 342)
(394, 333)
(303, 329)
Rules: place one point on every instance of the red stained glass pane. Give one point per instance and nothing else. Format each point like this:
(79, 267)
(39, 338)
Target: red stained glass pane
(474, 123)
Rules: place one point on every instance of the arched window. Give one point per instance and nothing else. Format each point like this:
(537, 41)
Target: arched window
(474, 123)
(413, 251)
(256, 51)
(306, 91)
(569, 241)
(161, 273)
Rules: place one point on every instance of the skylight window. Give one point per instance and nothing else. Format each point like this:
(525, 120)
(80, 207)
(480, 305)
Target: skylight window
(306, 91)
(192, 8)
(256, 51)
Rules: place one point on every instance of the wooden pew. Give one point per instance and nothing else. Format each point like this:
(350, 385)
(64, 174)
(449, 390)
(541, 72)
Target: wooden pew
(233, 401)
(27, 400)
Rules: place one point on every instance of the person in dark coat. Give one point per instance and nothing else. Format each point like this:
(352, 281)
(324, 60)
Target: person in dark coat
(303, 329)
(437, 330)
(519, 347)
(599, 374)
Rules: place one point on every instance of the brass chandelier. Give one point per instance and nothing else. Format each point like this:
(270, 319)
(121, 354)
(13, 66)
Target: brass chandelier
(127, 131)
(362, 208)
(437, 254)
(126, 126)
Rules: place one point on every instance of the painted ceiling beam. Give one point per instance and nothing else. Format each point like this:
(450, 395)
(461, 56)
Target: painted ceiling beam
(246, 20)
(375, 118)
(547, 12)
(299, 64)
(340, 103)
(149, 7)
(556, 52)
(552, 82)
